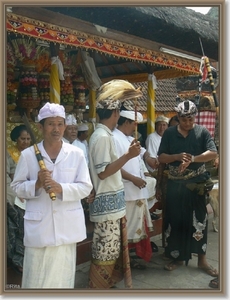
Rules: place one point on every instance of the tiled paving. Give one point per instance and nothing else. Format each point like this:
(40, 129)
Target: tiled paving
(155, 278)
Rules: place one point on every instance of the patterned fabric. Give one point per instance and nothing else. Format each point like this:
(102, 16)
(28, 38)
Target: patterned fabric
(139, 224)
(174, 172)
(14, 153)
(186, 109)
(15, 223)
(27, 26)
(185, 224)
(15, 233)
(208, 120)
(107, 203)
(108, 104)
(106, 241)
(114, 263)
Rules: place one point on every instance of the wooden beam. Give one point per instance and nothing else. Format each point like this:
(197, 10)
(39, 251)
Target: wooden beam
(163, 74)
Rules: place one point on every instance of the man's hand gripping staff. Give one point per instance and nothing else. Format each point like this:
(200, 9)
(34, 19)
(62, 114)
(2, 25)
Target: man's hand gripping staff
(38, 154)
(43, 167)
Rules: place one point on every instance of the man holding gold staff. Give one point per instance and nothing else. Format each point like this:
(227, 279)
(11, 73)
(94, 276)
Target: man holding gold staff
(52, 228)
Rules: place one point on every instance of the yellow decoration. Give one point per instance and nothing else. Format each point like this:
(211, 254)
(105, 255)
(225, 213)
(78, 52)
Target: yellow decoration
(54, 85)
(14, 153)
(92, 105)
(150, 107)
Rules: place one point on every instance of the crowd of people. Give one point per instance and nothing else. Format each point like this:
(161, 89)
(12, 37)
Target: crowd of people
(109, 173)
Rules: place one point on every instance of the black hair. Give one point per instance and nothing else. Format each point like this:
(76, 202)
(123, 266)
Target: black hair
(43, 121)
(174, 118)
(122, 120)
(16, 132)
(104, 113)
(79, 133)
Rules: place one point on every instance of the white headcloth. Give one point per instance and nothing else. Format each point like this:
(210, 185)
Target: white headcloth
(70, 120)
(51, 110)
(83, 127)
(130, 114)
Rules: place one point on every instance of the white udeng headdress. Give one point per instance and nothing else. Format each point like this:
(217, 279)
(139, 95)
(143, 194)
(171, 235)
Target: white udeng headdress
(113, 93)
(51, 110)
(70, 120)
(130, 114)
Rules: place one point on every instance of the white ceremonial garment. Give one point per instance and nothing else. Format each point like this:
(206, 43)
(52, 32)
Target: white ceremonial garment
(19, 203)
(138, 217)
(133, 166)
(152, 145)
(65, 140)
(58, 271)
(82, 147)
(151, 186)
(59, 222)
(85, 142)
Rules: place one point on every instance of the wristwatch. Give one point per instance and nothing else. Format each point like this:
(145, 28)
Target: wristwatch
(193, 157)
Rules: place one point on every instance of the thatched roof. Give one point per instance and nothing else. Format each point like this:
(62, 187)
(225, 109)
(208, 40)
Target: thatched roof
(176, 26)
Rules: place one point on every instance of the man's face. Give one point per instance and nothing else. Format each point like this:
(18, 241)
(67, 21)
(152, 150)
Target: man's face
(53, 128)
(84, 135)
(186, 123)
(130, 127)
(70, 133)
(160, 127)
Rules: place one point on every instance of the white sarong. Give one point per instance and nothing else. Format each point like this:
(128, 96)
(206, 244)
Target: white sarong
(138, 217)
(49, 267)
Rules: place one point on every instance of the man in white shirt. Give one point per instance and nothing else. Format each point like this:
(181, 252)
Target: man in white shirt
(52, 227)
(70, 135)
(82, 134)
(154, 139)
(139, 221)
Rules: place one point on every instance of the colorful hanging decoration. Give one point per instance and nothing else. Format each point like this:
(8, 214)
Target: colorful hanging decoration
(44, 86)
(57, 34)
(67, 96)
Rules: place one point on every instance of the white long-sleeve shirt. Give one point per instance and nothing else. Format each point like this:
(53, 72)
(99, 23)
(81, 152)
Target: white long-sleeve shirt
(47, 222)
(152, 145)
(83, 147)
(133, 166)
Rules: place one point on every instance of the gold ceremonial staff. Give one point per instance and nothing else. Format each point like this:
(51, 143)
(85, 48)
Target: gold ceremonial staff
(37, 152)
